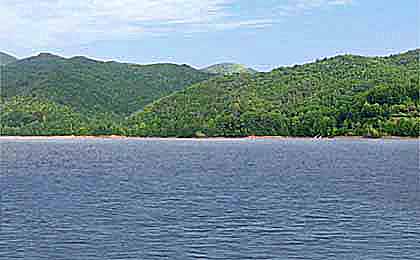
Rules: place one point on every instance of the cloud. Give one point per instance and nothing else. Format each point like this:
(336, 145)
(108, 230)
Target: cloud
(295, 7)
(341, 2)
(44, 22)
(54, 23)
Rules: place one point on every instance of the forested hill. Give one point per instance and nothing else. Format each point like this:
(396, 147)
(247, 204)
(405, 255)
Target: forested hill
(6, 59)
(228, 69)
(343, 95)
(94, 87)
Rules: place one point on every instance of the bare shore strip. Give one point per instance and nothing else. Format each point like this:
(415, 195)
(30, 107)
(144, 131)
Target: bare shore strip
(117, 137)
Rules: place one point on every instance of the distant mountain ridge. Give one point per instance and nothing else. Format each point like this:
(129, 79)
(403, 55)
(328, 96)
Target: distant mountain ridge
(6, 59)
(343, 95)
(229, 69)
(95, 87)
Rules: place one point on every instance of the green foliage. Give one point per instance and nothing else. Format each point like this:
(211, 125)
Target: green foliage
(344, 95)
(371, 132)
(228, 69)
(32, 116)
(93, 87)
(29, 116)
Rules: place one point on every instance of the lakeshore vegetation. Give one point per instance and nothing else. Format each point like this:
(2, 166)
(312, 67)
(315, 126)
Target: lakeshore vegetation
(345, 95)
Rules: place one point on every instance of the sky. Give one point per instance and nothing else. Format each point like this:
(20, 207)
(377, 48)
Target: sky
(263, 34)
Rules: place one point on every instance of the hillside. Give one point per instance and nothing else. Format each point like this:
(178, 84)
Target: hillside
(32, 116)
(343, 95)
(29, 116)
(228, 69)
(94, 87)
(6, 59)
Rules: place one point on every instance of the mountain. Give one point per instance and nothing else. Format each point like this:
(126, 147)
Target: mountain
(6, 59)
(94, 87)
(228, 69)
(343, 95)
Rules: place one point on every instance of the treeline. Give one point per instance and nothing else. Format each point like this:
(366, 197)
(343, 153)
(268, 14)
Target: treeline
(341, 96)
(95, 87)
(344, 95)
(26, 116)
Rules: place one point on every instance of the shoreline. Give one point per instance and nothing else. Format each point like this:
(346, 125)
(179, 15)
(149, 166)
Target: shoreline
(285, 138)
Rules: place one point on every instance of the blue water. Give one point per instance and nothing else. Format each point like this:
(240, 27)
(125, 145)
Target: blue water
(231, 199)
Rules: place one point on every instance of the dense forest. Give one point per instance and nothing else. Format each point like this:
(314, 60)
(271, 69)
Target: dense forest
(345, 95)
(95, 87)
(29, 116)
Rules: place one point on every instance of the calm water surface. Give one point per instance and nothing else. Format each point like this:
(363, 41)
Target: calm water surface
(230, 199)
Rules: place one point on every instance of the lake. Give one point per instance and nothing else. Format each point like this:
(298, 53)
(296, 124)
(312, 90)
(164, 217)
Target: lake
(209, 199)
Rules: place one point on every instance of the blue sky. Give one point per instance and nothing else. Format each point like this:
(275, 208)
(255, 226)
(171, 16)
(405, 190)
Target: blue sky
(259, 33)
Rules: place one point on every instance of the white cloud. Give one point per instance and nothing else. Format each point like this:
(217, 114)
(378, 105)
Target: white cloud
(341, 2)
(44, 22)
(298, 6)
(53, 23)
